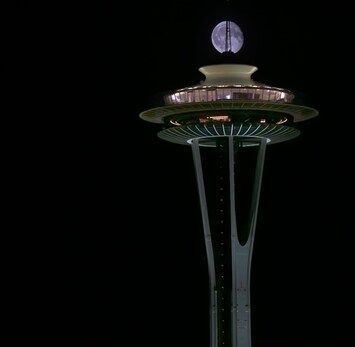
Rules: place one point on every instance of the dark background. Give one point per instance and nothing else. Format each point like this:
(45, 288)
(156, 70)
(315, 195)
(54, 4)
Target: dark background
(121, 259)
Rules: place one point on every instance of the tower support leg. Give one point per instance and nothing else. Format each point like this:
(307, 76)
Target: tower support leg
(229, 255)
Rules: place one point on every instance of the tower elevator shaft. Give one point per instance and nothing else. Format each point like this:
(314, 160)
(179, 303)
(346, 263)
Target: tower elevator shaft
(229, 174)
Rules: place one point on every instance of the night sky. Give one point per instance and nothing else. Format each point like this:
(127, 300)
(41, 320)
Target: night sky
(123, 260)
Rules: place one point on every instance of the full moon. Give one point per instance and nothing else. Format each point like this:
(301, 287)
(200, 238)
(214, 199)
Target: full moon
(227, 37)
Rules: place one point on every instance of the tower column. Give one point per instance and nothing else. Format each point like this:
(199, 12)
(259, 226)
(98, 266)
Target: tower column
(229, 253)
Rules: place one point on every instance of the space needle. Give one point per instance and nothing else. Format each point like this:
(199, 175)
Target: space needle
(228, 120)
